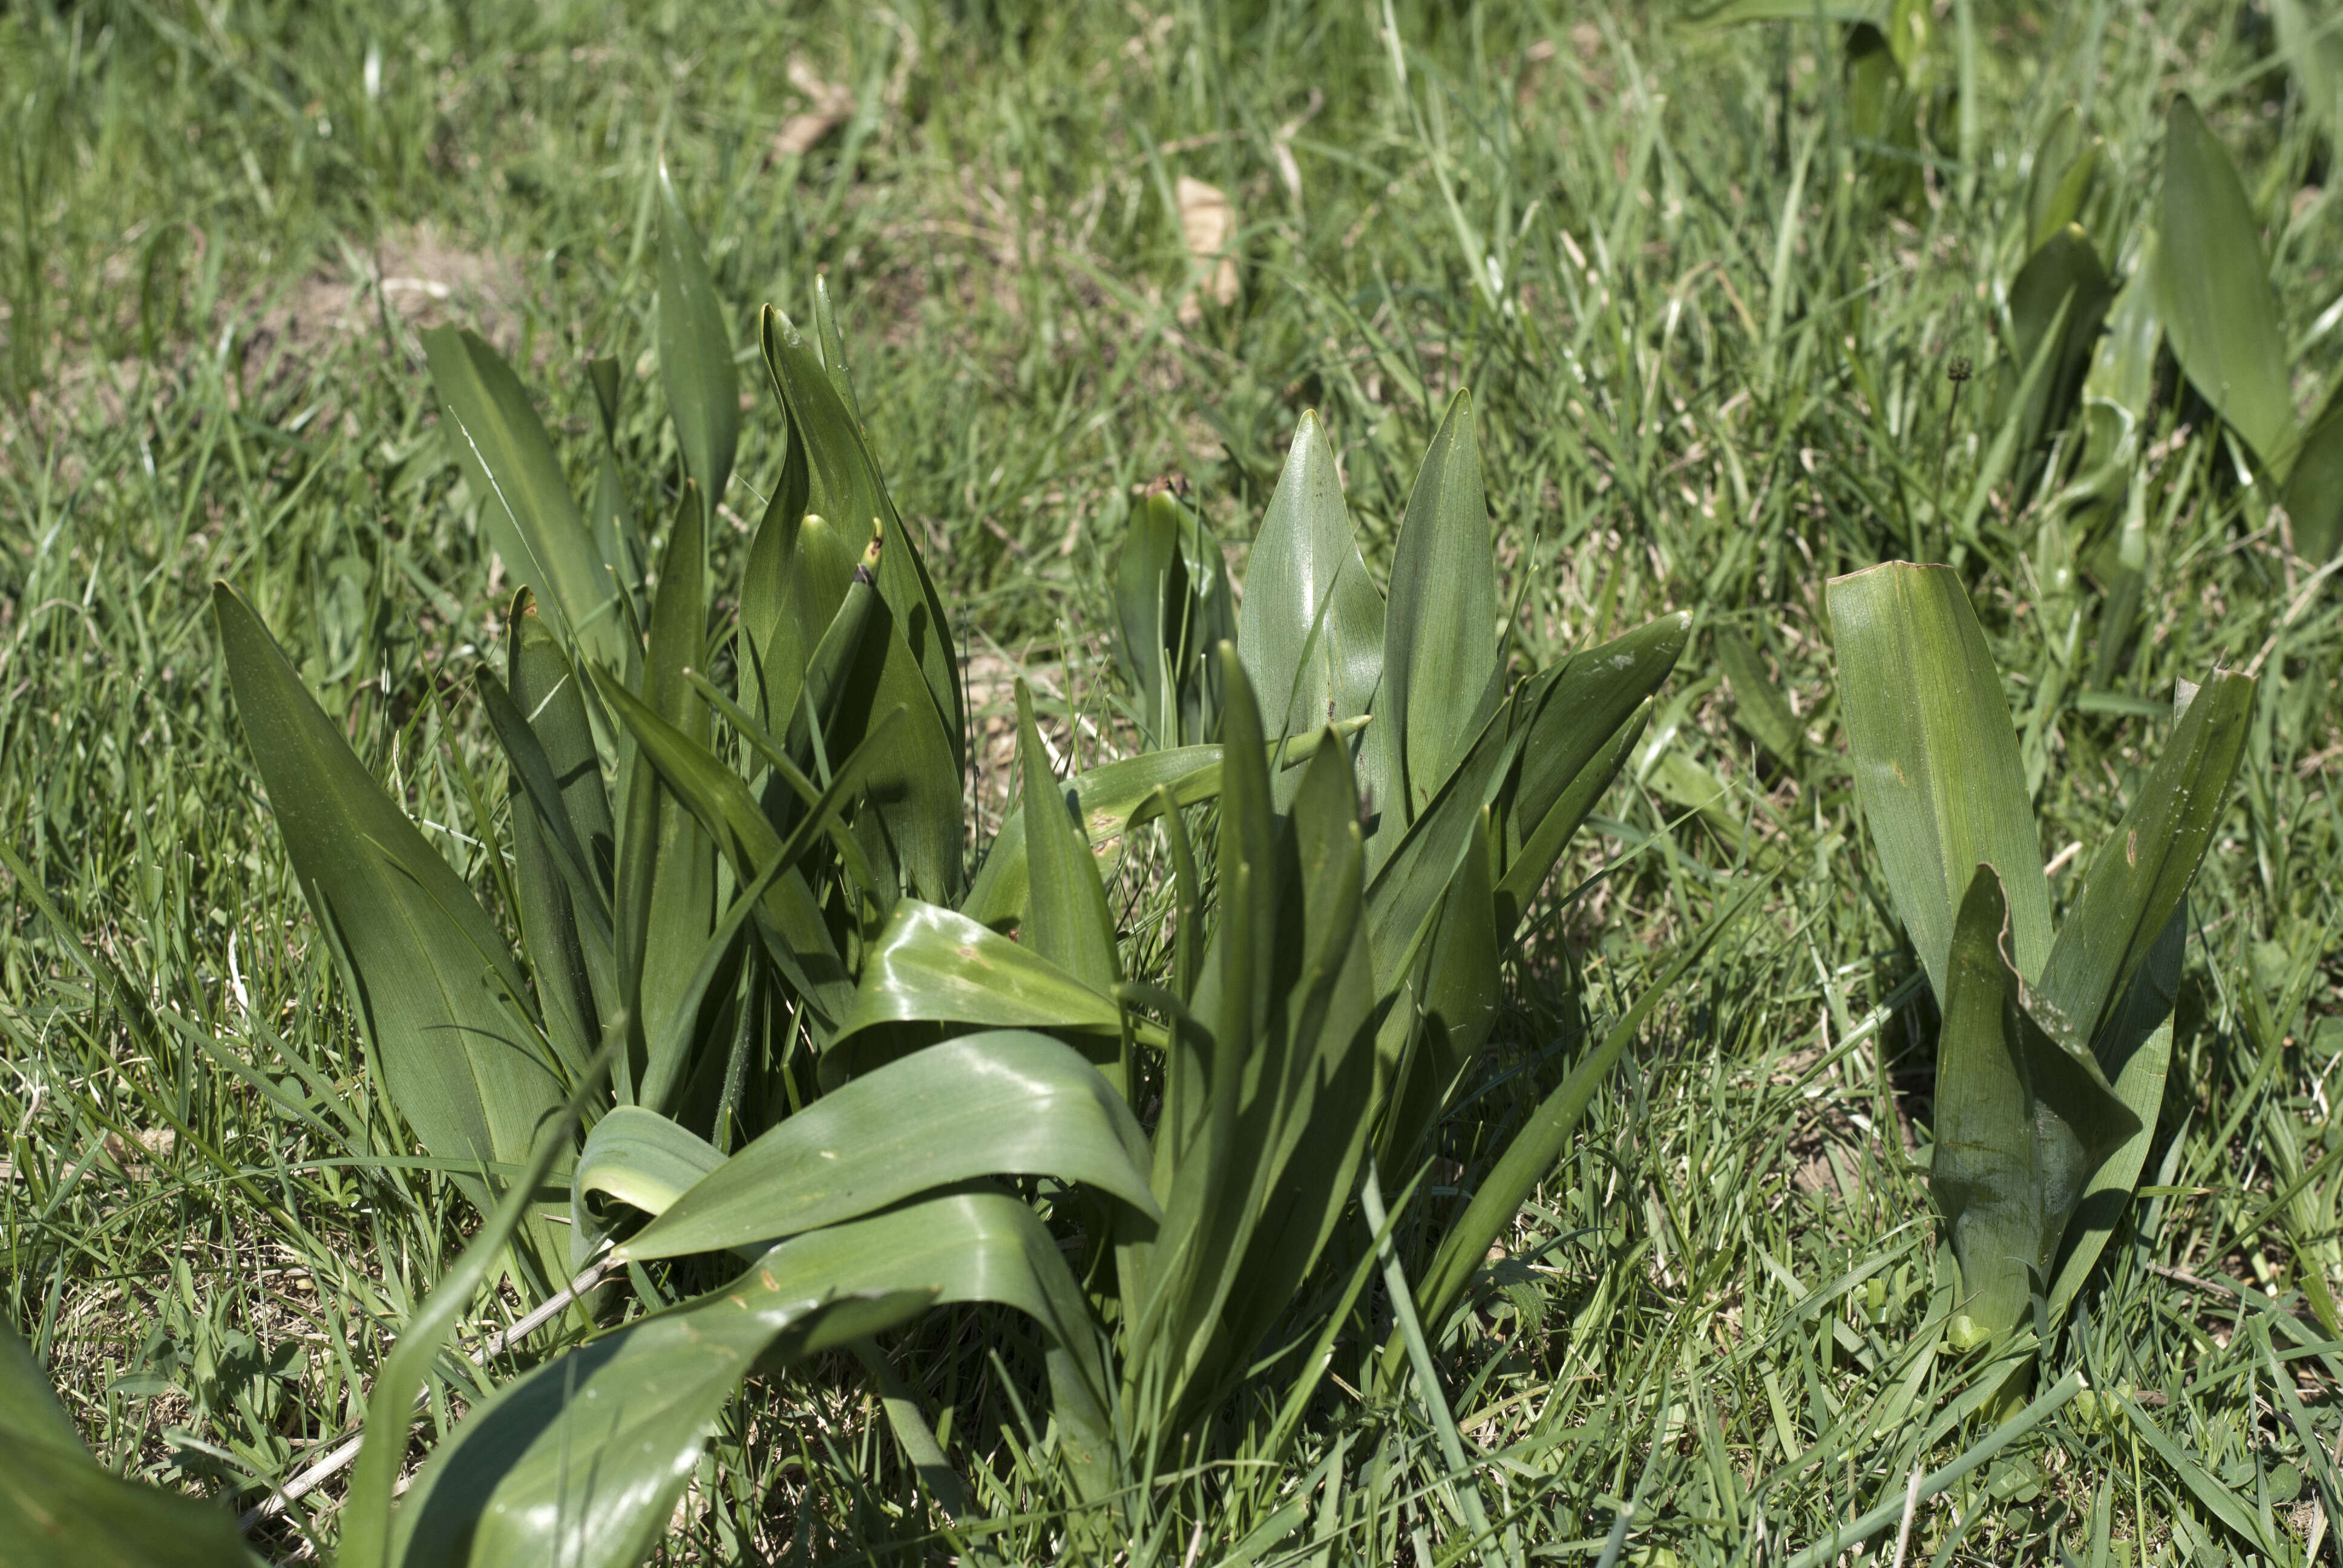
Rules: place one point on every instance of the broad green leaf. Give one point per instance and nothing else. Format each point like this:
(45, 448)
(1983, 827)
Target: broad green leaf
(1757, 704)
(1404, 890)
(1312, 622)
(1542, 849)
(695, 352)
(61, 1509)
(1527, 1160)
(930, 964)
(2064, 165)
(843, 485)
(1440, 631)
(526, 505)
(2314, 490)
(581, 1460)
(2022, 1122)
(832, 345)
(2064, 290)
(1936, 759)
(971, 1246)
(1570, 713)
(715, 795)
(911, 820)
(2213, 289)
(1066, 920)
(427, 972)
(641, 1159)
(1113, 799)
(1002, 1103)
(1452, 1004)
(2141, 873)
(1310, 1078)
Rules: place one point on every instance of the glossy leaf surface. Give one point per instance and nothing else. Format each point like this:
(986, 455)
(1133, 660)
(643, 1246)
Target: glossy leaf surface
(999, 1102)
(1312, 621)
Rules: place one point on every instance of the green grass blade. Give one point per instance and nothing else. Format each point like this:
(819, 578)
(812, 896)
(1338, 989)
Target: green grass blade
(694, 353)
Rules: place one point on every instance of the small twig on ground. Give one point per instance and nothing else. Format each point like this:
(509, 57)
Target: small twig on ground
(496, 1344)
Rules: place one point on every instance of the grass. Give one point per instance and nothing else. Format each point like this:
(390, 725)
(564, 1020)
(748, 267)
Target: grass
(1710, 365)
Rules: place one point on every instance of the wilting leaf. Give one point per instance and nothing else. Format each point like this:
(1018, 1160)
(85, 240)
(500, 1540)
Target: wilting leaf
(2022, 1121)
(1312, 622)
(531, 516)
(581, 1460)
(1936, 759)
(932, 965)
(703, 390)
(641, 1159)
(61, 1509)
(428, 971)
(1002, 1103)
(2214, 293)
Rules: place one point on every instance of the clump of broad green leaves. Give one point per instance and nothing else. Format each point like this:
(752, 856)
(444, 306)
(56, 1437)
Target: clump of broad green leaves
(2054, 1045)
(804, 1026)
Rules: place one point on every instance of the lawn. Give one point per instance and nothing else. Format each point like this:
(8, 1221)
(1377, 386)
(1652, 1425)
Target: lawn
(1742, 303)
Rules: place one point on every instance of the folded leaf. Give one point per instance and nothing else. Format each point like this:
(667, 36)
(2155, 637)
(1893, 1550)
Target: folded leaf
(930, 964)
(581, 1460)
(2314, 490)
(1936, 759)
(1066, 920)
(1757, 704)
(2022, 1122)
(1172, 608)
(641, 1159)
(2062, 290)
(1002, 1103)
(843, 485)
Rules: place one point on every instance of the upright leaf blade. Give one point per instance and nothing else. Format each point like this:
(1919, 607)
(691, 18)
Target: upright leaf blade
(703, 390)
(1440, 633)
(1936, 759)
(1066, 918)
(1312, 624)
(434, 986)
(2213, 289)
(2141, 873)
(524, 500)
